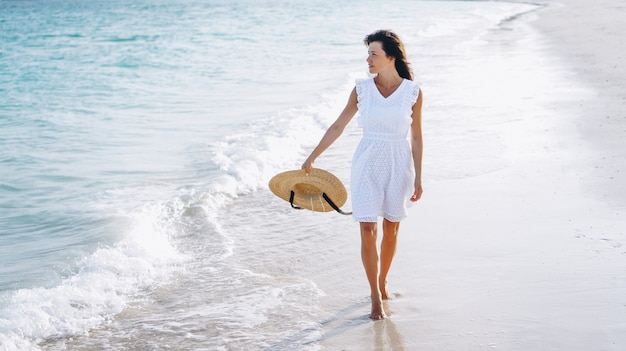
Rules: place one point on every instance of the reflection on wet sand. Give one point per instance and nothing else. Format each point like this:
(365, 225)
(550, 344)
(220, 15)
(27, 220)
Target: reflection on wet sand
(386, 334)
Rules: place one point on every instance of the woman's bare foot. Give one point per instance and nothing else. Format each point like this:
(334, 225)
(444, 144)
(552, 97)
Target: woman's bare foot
(378, 312)
(383, 290)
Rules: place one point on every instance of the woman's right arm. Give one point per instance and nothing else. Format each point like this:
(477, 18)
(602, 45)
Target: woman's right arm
(333, 132)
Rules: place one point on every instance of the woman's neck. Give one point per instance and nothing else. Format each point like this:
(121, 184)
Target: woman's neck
(388, 80)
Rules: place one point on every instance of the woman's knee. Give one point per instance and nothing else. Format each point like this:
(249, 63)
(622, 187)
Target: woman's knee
(368, 230)
(368, 227)
(390, 228)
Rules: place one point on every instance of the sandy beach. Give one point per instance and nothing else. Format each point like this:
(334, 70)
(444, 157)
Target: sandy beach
(530, 256)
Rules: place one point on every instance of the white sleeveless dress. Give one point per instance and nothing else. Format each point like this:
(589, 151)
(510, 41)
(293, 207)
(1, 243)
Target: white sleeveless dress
(382, 176)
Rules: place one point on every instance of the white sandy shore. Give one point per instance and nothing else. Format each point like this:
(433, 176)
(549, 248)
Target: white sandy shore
(531, 256)
(590, 36)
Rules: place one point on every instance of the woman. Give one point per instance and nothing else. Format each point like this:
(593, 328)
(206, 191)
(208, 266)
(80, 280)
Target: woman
(386, 169)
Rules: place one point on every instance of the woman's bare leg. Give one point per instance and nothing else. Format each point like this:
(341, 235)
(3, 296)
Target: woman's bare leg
(387, 252)
(369, 255)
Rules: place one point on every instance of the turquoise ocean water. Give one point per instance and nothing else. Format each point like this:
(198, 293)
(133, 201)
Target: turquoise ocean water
(136, 142)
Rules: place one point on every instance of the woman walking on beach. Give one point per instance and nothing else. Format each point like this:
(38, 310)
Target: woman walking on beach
(386, 169)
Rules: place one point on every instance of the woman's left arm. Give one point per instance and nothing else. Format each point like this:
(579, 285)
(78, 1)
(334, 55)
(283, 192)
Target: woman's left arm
(417, 146)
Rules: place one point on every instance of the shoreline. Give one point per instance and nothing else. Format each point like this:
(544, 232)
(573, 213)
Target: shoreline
(595, 51)
(520, 258)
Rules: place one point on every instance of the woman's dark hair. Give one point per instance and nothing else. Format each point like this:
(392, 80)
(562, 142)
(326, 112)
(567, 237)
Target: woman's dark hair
(393, 46)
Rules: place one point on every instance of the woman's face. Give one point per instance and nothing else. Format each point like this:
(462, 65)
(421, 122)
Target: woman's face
(377, 59)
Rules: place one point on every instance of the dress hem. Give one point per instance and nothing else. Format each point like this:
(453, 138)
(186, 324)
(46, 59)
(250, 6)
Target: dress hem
(375, 219)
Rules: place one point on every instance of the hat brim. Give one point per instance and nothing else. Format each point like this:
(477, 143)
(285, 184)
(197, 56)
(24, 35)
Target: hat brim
(309, 190)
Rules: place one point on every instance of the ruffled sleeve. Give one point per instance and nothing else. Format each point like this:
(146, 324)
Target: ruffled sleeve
(362, 97)
(414, 93)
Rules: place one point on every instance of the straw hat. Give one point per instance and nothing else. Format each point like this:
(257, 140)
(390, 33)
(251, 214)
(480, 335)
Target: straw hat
(318, 191)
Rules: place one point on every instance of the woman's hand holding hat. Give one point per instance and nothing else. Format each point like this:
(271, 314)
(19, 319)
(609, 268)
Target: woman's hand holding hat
(307, 166)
